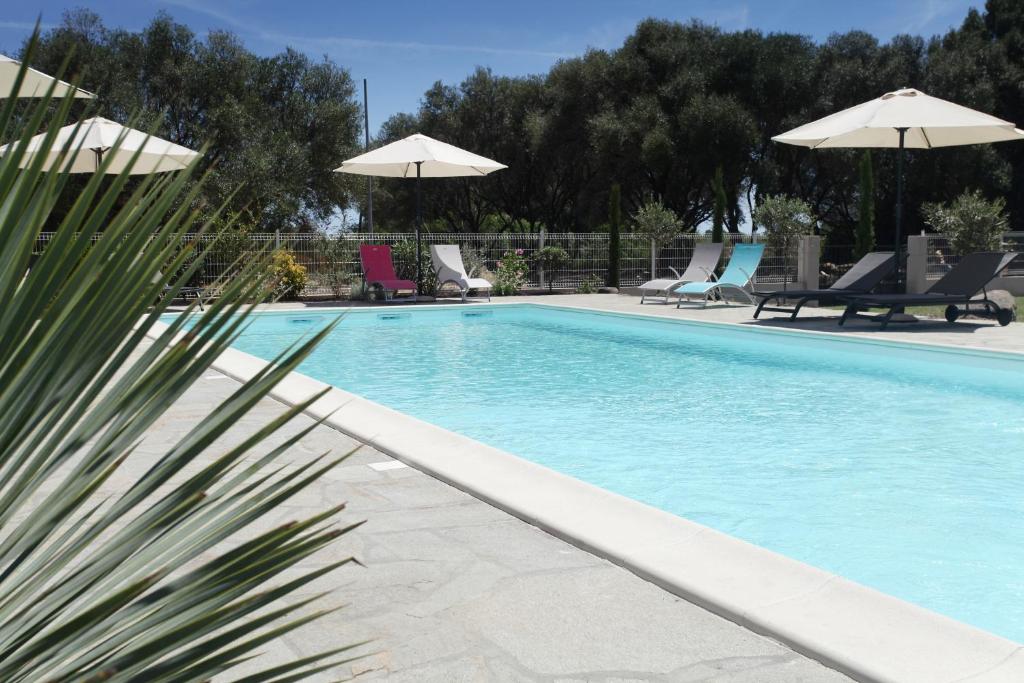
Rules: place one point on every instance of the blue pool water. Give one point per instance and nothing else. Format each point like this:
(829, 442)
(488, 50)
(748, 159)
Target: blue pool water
(899, 468)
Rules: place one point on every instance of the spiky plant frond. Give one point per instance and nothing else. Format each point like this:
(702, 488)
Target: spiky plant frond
(136, 586)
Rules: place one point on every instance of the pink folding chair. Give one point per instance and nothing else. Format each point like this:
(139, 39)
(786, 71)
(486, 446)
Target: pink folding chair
(379, 270)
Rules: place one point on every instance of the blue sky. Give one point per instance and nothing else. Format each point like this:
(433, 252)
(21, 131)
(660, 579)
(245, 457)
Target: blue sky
(404, 47)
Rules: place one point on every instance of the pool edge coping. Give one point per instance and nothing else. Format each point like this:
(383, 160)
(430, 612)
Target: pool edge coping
(853, 629)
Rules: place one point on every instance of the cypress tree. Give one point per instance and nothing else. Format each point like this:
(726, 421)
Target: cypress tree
(864, 240)
(718, 217)
(614, 227)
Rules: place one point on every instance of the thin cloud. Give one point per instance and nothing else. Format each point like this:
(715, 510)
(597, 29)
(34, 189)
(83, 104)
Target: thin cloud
(737, 17)
(929, 12)
(352, 43)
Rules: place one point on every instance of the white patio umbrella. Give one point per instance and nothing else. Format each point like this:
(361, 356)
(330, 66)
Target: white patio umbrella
(97, 136)
(901, 119)
(419, 156)
(35, 83)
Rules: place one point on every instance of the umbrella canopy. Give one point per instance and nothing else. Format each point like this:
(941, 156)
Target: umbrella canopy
(96, 137)
(35, 84)
(927, 122)
(419, 155)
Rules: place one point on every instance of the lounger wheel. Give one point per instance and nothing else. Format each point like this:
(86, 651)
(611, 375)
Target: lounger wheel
(952, 313)
(1004, 316)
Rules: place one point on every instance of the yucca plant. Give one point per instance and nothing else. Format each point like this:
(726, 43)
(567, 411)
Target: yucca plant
(141, 585)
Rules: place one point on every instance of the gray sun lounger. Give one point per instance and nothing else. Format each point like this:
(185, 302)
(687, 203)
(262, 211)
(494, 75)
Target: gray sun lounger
(959, 286)
(700, 269)
(865, 275)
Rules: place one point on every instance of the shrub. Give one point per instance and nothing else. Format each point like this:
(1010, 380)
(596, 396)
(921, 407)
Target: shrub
(971, 223)
(230, 249)
(511, 275)
(589, 285)
(404, 255)
(658, 223)
(335, 258)
(551, 259)
(287, 276)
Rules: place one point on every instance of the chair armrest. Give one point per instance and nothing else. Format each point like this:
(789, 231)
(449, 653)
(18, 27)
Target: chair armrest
(710, 273)
(674, 272)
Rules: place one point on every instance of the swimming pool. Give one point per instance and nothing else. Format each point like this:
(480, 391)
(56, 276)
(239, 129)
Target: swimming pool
(895, 466)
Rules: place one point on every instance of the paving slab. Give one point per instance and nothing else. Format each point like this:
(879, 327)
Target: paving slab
(456, 590)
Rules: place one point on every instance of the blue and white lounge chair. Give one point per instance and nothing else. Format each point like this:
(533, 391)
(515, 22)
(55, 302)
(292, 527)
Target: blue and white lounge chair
(738, 276)
(700, 269)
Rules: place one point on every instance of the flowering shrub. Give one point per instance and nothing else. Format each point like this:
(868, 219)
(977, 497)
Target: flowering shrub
(511, 275)
(287, 276)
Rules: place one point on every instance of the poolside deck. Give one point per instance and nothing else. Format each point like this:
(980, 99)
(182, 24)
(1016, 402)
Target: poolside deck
(456, 590)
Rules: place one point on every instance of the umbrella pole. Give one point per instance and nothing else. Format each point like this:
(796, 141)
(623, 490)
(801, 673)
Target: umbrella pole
(419, 219)
(899, 212)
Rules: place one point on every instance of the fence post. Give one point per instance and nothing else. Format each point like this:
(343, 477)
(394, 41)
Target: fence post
(654, 260)
(917, 263)
(808, 262)
(277, 238)
(540, 245)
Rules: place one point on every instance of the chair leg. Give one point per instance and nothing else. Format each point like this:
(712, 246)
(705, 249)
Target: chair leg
(761, 305)
(851, 309)
(888, 316)
(799, 305)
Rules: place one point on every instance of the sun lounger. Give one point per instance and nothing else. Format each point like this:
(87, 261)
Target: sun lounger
(738, 276)
(959, 286)
(379, 271)
(447, 260)
(865, 275)
(700, 269)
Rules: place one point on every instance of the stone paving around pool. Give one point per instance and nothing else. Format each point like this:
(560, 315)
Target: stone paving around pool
(456, 590)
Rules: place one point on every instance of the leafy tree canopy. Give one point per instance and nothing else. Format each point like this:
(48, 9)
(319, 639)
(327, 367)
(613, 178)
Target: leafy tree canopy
(276, 126)
(677, 101)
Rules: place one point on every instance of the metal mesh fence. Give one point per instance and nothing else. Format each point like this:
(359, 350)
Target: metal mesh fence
(332, 263)
(941, 256)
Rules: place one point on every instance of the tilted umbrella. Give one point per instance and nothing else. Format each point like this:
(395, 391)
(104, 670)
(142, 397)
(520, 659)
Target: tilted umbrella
(35, 83)
(901, 119)
(97, 136)
(419, 156)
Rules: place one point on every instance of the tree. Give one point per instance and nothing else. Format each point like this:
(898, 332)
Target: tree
(551, 259)
(657, 223)
(276, 127)
(614, 231)
(970, 222)
(865, 237)
(718, 215)
(784, 220)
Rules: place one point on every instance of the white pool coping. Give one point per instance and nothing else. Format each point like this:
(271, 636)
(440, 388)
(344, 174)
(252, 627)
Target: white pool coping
(859, 631)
